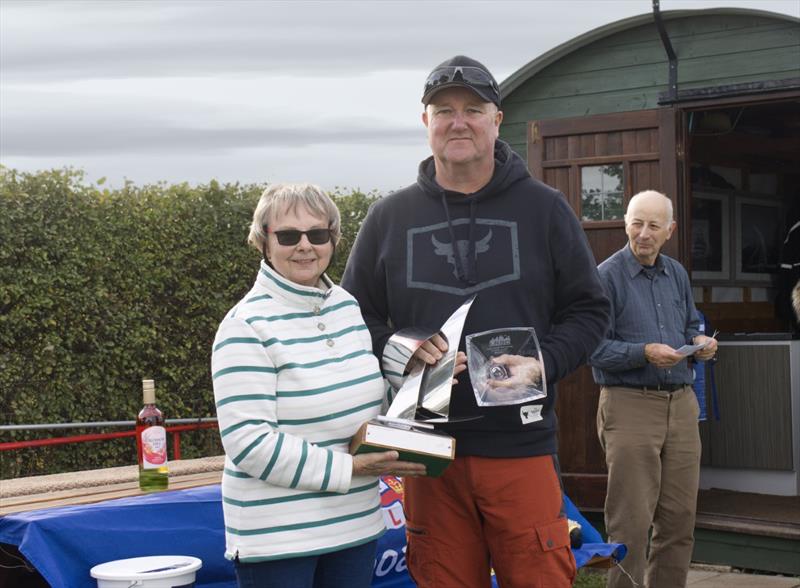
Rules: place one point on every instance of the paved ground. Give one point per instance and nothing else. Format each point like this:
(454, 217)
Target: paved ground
(721, 577)
(709, 576)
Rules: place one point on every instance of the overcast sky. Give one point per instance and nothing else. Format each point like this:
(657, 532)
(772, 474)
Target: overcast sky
(259, 91)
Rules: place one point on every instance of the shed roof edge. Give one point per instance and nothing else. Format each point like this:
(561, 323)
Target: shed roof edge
(534, 66)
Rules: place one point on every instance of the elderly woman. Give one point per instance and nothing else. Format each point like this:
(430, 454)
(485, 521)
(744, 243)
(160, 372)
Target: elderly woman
(294, 377)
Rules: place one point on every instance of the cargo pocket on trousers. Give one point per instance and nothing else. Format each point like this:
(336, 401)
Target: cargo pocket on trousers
(420, 556)
(558, 565)
(543, 549)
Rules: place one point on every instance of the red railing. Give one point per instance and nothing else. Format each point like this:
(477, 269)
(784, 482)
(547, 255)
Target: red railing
(176, 431)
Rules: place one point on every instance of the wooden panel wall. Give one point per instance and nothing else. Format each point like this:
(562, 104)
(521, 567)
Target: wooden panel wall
(627, 71)
(755, 426)
(642, 141)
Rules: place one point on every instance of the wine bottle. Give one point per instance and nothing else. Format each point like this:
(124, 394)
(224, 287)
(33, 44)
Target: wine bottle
(151, 442)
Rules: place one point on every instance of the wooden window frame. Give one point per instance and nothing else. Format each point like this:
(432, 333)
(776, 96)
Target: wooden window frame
(662, 118)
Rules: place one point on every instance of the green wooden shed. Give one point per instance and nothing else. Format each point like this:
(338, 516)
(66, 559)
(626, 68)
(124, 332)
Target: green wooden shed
(703, 105)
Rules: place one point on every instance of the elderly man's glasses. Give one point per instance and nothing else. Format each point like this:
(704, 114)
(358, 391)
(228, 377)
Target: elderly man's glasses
(471, 75)
(292, 236)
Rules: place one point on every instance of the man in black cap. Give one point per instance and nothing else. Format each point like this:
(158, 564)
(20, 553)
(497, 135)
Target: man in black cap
(476, 222)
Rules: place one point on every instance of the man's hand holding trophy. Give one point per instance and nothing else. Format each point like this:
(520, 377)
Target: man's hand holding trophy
(505, 367)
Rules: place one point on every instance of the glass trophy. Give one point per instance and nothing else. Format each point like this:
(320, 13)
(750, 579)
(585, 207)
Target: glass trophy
(506, 366)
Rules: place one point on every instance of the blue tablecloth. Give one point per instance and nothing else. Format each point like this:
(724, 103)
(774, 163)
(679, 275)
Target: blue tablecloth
(64, 543)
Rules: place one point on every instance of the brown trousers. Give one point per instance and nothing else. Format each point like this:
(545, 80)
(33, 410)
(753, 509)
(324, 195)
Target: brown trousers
(488, 512)
(652, 445)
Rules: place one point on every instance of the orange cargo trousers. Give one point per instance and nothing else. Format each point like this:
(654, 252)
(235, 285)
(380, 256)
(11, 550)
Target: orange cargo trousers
(486, 512)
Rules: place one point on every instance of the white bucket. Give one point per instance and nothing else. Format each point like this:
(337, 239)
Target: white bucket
(158, 571)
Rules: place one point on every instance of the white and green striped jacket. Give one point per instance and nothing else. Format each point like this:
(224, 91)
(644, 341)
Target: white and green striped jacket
(294, 377)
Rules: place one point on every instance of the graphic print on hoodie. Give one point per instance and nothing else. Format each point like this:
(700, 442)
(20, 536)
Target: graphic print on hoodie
(495, 248)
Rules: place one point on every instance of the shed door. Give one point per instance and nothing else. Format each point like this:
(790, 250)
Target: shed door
(599, 162)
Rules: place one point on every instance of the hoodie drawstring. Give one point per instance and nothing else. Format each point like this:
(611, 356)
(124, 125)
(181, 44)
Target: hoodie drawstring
(456, 254)
(470, 273)
(472, 256)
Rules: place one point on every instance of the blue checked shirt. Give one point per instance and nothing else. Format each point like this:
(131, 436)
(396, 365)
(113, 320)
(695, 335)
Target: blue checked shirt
(647, 306)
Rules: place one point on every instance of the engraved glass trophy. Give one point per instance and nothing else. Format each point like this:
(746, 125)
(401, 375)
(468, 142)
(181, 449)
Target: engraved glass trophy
(505, 366)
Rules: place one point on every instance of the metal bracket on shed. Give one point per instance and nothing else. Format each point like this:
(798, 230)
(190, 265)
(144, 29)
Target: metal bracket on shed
(672, 93)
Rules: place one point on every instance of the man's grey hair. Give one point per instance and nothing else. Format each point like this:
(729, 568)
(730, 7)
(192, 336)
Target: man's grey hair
(796, 300)
(279, 199)
(650, 194)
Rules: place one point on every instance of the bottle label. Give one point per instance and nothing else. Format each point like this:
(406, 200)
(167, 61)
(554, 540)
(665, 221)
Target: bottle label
(154, 448)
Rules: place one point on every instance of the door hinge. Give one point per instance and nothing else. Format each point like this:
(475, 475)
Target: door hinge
(535, 135)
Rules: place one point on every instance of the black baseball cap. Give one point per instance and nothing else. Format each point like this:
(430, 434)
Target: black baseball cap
(461, 71)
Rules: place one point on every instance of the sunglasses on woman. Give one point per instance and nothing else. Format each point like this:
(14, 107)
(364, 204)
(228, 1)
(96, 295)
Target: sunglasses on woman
(290, 237)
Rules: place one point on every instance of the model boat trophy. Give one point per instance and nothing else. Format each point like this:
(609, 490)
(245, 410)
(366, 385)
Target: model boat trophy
(503, 366)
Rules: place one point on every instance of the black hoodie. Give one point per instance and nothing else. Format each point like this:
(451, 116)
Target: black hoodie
(517, 244)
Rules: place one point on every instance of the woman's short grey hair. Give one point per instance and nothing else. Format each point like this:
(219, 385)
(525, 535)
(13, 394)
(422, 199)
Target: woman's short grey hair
(279, 199)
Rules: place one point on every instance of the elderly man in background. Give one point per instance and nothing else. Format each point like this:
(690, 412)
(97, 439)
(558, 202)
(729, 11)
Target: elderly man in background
(647, 413)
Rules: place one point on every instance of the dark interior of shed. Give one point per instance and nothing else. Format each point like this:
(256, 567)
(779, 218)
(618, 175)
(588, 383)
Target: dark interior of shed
(745, 202)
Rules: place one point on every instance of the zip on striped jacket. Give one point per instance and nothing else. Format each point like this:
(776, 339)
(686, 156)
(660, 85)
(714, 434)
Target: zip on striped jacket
(294, 377)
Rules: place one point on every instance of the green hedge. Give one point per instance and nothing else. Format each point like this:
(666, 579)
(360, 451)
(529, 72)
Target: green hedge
(101, 288)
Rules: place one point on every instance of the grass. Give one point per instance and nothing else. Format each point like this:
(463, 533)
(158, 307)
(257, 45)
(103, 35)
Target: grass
(590, 579)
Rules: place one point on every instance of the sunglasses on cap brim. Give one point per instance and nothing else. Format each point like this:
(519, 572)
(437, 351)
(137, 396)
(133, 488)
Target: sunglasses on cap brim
(460, 73)
(293, 236)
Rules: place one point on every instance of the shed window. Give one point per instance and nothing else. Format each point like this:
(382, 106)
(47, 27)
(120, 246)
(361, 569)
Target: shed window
(602, 190)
